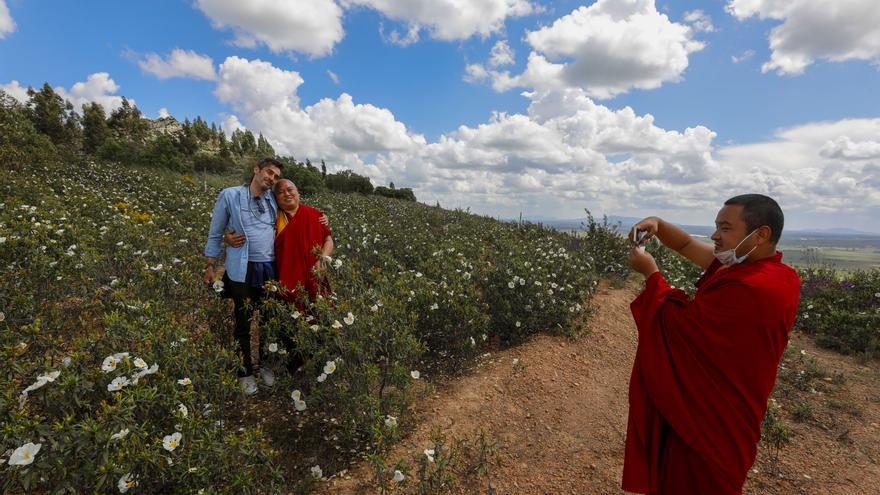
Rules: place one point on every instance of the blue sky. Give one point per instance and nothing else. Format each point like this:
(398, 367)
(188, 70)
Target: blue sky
(701, 126)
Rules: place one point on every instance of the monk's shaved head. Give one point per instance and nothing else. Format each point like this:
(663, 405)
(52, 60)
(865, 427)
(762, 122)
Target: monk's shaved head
(278, 185)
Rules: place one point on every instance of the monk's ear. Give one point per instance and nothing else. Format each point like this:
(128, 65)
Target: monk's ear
(763, 234)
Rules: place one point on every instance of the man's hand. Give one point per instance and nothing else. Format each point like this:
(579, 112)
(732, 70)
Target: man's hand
(233, 239)
(324, 220)
(642, 261)
(319, 266)
(209, 275)
(644, 230)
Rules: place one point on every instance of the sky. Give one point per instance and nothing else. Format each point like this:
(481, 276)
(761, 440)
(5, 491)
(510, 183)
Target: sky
(623, 107)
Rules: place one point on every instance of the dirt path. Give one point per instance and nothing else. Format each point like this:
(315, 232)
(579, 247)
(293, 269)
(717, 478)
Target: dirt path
(557, 409)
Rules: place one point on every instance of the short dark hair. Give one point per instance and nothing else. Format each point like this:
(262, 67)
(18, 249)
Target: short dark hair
(760, 210)
(265, 162)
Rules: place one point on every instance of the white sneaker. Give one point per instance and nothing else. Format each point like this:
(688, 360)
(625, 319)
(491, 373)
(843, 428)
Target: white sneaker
(268, 376)
(248, 384)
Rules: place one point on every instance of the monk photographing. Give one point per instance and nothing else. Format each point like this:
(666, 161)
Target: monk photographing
(705, 366)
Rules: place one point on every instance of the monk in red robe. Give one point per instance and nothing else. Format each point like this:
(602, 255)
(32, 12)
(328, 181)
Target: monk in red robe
(302, 243)
(705, 366)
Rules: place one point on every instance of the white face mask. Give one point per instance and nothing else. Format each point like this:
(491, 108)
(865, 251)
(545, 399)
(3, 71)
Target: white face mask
(729, 257)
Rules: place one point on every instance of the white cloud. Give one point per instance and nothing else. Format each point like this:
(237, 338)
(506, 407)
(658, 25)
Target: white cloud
(312, 27)
(606, 49)
(163, 113)
(265, 98)
(815, 30)
(395, 38)
(15, 90)
(475, 73)
(231, 124)
(699, 20)
(333, 77)
(179, 63)
(845, 148)
(746, 55)
(7, 25)
(98, 88)
(450, 20)
(501, 54)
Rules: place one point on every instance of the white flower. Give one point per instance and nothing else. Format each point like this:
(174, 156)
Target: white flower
(316, 472)
(184, 381)
(25, 454)
(118, 383)
(810, 306)
(273, 347)
(126, 482)
(109, 364)
(2, 240)
(517, 324)
(170, 442)
(2, 314)
(415, 374)
(429, 453)
(473, 342)
(295, 315)
(218, 286)
(295, 395)
(337, 264)
(150, 371)
(300, 405)
(182, 410)
(119, 435)
(336, 324)
(511, 285)
(877, 294)
(322, 377)
(398, 476)
(315, 328)
(349, 319)
(391, 421)
(803, 352)
(434, 306)
(66, 361)
(374, 308)
(139, 363)
(119, 356)
(330, 367)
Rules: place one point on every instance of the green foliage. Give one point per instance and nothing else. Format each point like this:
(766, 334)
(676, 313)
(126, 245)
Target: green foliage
(775, 434)
(128, 124)
(53, 116)
(20, 142)
(307, 180)
(95, 128)
(347, 181)
(163, 152)
(405, 194)
(842, 310)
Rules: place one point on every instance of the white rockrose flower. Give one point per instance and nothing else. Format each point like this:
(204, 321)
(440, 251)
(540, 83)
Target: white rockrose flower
(172, 441)
(398, 476)
(109, 364)
(25, 454)
(391, 421)
(429, 453)
(316, 472)
(182, 410)
(139, 363)
(125, 483)
(273, 347)
(184, 381)
(118, 383)
(415, 374)
(349, 319)
(218, 286)
(330, 367)
(119, 435)
(336, 324)
(322, 377)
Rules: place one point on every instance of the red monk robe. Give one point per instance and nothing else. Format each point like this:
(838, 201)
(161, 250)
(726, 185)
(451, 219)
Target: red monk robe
(703, 372)
(296, 237)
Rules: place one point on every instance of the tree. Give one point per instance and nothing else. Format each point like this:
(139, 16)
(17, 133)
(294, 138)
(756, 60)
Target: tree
(52, 115)
(348, 181)
(95, 128)
(308, 181)
(323, 170)
(20, 142)
(264, 149)
(128, 124)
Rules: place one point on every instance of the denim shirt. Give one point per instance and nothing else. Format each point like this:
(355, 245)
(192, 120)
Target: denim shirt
(228, 215)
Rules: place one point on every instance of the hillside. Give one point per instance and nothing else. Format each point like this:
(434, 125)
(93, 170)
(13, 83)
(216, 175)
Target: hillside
(120, 365)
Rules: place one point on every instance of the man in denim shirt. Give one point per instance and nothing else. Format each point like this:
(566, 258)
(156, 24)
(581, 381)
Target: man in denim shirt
(250, 211)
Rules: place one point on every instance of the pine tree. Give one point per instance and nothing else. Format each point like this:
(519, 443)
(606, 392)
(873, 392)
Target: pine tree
(264, 149)
(323, 170)
(95, 128)
(47, 111)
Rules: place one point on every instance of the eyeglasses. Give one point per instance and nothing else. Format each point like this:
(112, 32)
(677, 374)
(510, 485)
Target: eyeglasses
(259, 205)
